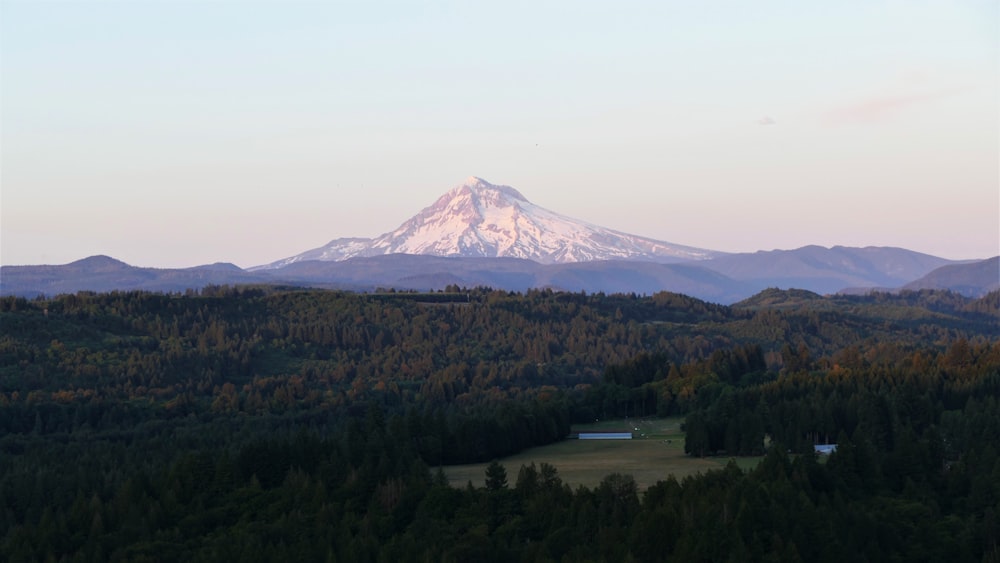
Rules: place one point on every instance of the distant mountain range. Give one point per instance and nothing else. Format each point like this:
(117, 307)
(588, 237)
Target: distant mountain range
(479, 234)
(780, 268)
(103, 273)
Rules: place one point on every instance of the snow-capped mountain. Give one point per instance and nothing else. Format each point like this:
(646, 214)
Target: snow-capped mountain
(480, 219)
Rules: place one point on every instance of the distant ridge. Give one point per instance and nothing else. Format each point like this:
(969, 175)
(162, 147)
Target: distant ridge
(103, 273)
(828, 270)
(99, 263)
(701, 279)
(973, 280)
(724, 280)
(414, 272)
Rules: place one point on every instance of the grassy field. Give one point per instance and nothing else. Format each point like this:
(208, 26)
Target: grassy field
(655, 452)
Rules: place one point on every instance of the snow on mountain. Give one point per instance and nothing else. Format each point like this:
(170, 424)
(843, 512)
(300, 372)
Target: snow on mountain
(477, 218)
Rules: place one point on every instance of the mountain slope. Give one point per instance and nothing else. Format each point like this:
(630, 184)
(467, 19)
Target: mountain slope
(827, 270)
(102, 273)
(422, 273)
(479, 219)
(973, 280)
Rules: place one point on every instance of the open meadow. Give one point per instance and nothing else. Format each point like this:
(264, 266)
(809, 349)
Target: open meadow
(655, 452)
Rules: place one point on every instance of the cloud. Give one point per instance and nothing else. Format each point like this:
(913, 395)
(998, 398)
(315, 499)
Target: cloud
(766, 120)
(879, 108)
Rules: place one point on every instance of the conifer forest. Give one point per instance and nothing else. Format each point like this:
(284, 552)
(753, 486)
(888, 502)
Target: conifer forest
(283, 424)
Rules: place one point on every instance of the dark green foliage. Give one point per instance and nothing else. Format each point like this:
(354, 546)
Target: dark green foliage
(496, 476)
(248, 424)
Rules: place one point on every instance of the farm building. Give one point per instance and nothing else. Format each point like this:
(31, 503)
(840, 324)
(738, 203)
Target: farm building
(605, 435)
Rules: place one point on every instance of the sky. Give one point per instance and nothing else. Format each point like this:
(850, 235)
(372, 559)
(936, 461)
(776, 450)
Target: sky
(173, 134)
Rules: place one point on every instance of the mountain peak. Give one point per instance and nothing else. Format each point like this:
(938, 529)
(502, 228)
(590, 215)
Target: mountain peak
(477, 185)
(99, 262)
(477, 218)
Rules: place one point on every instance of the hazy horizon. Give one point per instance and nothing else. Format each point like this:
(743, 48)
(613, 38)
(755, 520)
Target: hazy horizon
(178, 134)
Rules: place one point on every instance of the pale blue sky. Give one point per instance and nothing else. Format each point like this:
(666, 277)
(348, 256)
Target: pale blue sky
(181, 133)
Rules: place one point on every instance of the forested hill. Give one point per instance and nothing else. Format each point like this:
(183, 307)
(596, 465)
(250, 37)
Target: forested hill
(258, 351)
(146, 427)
